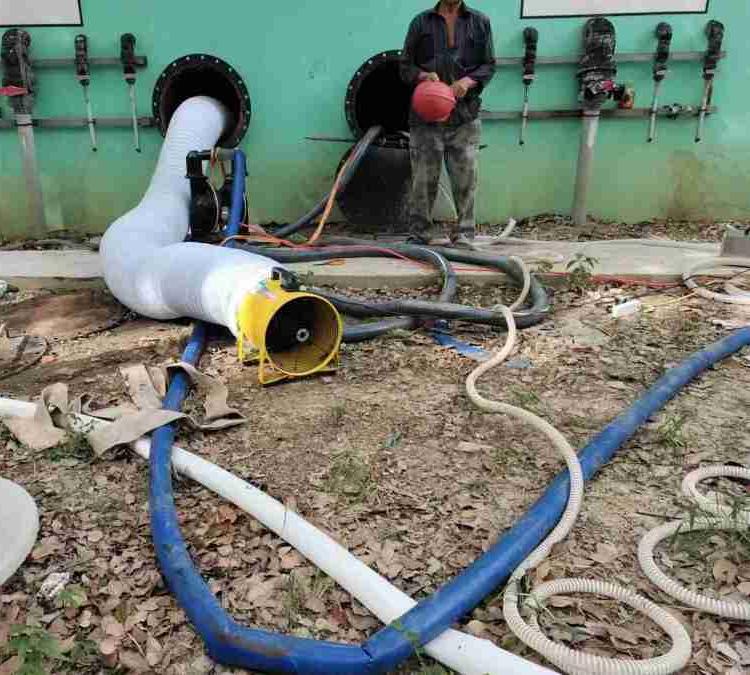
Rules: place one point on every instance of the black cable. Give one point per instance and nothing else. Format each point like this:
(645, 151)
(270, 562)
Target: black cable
(368, 331)
(355, 159)
(411, 312)
(538, 298)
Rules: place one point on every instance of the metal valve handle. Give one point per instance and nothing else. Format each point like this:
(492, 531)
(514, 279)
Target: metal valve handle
(82, 59)
(127, 56)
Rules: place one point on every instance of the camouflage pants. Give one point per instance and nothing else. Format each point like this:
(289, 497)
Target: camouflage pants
(459, 147)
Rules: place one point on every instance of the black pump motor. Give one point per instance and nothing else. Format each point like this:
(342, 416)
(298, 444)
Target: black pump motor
(209, 206)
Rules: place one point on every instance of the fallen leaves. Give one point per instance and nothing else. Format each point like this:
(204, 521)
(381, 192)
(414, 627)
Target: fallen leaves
(441, 485)
(46, 547)
(112, 627)
(725, 571)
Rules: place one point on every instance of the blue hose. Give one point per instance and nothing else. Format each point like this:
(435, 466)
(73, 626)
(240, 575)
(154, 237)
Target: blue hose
(231, 644)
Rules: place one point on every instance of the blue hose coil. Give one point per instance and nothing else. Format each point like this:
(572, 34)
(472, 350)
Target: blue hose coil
(231, 644)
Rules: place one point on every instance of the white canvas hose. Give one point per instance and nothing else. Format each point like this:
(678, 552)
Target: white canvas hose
(461, 652)
(569, 660)
(147, 264)
(725, 518)
(742, 298)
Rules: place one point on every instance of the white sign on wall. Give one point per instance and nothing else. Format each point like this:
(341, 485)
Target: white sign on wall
(553, 8)
(40, 13)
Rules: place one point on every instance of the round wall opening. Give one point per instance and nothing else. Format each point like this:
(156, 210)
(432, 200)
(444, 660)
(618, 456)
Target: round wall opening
(203, 75)
(377, 95)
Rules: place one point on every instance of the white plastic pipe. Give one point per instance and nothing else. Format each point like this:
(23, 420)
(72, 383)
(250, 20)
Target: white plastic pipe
(463, 653)
(149, 267)
(714, 265)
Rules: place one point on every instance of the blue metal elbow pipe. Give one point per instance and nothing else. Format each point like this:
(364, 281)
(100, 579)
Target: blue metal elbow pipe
(231, 644)
(237, 206)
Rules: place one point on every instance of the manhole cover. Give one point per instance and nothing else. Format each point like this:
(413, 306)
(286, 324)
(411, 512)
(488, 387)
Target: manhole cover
(64, 316)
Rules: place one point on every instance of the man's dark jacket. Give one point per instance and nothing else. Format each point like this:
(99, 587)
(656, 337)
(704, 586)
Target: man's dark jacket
(426, 50)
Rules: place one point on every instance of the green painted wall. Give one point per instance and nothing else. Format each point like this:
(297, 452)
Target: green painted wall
(297, 59)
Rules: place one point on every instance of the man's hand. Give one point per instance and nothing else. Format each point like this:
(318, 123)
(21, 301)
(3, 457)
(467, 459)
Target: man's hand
(428, 77)
(461, 87)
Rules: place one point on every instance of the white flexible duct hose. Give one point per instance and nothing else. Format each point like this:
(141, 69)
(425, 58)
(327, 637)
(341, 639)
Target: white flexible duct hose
(147, 264)
(726, 519)
(713, 264)
(569, 660)
(463, 653)
(19, 527)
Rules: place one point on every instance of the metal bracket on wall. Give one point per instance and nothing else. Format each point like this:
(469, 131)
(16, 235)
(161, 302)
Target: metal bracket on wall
(632, 57)
(140, 62)
(82, 122)
(614, 113)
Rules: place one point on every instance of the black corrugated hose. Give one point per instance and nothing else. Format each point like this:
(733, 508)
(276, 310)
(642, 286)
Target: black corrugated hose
(410, 313)
(355, 159)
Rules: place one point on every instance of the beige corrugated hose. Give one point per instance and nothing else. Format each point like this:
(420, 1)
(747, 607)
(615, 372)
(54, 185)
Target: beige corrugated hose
(569, 660)
(715, 516)
(732, 298)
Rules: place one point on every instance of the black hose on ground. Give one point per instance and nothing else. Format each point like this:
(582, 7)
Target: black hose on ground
(538, 298)
(413, 310)
(355, 159)
(367, 331)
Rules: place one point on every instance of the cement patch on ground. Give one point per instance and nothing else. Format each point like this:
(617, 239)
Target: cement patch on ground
(656, 260)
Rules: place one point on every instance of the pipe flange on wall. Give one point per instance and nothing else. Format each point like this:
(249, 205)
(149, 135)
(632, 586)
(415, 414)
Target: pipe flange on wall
(376, 95)
(203, 75)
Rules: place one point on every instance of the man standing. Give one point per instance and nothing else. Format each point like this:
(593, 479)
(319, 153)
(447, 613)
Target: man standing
(452, 44)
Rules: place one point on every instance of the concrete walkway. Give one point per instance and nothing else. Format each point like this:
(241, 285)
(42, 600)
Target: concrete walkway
(649, 260)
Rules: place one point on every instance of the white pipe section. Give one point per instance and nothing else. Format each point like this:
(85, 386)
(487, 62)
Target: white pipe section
(148, 266)
(463, 653)
(38, 219)
(716, 264)
(19, 528)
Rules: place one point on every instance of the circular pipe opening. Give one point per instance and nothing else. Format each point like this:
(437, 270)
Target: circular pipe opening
(303, 335)
(203, 75)
(377, 197)
(377, 95)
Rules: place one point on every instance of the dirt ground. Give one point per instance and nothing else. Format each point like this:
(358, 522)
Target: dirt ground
(547, 227)
(390, 457)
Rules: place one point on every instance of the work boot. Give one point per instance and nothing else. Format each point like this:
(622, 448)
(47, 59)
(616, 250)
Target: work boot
(463, 242)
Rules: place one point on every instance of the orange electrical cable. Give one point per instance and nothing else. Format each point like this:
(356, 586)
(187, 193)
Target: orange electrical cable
(329, 205)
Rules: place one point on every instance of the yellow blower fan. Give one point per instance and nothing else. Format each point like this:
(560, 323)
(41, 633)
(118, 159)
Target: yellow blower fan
(290, 334)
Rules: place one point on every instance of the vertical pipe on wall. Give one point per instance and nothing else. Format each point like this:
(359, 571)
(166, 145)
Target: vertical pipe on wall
(585, 165)
(38, 224)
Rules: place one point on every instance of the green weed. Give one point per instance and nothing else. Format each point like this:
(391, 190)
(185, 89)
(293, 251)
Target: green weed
(75, 446)
(294, 598)
(35, 647)
(350, 475)
(72, 597)
(525, 398)
(671, 433)
(580, 272)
